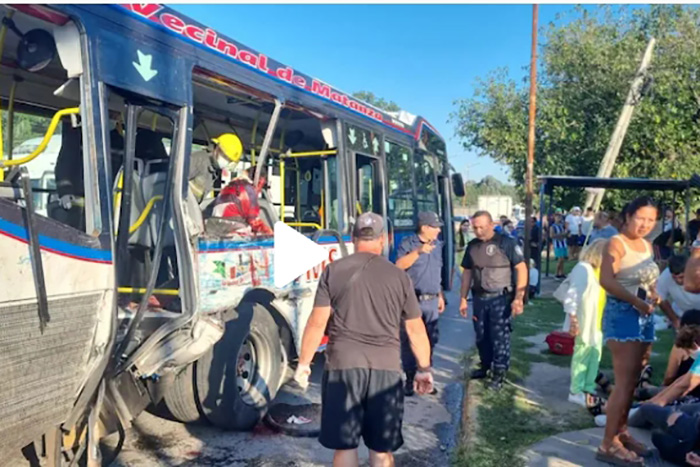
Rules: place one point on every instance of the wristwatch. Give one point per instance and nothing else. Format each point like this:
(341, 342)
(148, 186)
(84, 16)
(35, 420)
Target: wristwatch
(424, 369)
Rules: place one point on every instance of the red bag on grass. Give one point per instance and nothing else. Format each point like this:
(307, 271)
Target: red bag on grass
(560, 343)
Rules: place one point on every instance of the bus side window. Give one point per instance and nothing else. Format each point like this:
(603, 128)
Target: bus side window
(426, 191)
(332, 218)
(400, 192)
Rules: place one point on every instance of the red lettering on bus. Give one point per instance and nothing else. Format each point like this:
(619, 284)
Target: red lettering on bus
(227, 48)
(321, 89)
(299, 81)
(262, 64)
(210, 38)
(172, 22)
(285, 74)
(335, 97)
(248, 57)
(332, 253)
(194, 33)
(147, 10)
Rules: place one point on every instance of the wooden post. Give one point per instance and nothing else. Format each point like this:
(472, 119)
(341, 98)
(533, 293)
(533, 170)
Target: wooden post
(633, 98)
(531, 137)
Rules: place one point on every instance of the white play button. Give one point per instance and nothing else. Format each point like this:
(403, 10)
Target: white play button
(294, 254)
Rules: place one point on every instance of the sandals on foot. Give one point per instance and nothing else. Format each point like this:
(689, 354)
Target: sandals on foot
(634, 445)
(618, 455)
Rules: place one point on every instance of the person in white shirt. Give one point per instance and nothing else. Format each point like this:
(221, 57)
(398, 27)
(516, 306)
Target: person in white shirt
(582, 305)
(587, 222)
(534, 279)
(674, 299)
(573, 223)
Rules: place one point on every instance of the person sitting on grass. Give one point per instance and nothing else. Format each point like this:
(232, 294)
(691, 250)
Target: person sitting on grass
(584, 304)
(679, 362)
(680, 392)
(677, 432)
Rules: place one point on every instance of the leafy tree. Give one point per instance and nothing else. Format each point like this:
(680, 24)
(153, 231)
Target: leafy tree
(26, 126)
(585, 69)
(379, 102)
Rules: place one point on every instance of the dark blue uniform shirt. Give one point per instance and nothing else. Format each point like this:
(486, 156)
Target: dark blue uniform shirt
(426, 274)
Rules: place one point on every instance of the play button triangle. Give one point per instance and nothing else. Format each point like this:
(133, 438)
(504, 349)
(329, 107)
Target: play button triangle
(294, 254)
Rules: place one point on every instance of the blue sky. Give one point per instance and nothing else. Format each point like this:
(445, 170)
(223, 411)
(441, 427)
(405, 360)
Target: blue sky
(422, 57)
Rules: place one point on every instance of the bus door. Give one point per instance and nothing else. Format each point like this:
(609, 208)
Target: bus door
(364, 162)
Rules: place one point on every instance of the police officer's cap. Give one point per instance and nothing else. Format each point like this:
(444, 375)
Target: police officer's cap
(429, 218)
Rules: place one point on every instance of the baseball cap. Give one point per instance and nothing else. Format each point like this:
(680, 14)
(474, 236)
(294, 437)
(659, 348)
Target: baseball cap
(369, 226)
(429, 218)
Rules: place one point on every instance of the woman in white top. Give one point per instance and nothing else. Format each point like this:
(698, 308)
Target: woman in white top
(628, 275)
(582, 304)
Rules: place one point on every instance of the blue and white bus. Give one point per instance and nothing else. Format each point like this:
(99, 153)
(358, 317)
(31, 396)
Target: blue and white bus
(115, 296)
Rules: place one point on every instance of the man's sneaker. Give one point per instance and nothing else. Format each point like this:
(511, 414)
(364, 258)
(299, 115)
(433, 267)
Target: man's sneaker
(497, 381)
(578, 399)
(479, 373)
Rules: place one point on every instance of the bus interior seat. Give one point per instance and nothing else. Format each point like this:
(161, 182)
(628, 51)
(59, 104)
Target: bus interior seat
(69, 178)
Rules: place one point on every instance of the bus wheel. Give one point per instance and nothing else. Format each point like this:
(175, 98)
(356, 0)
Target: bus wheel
(179, 396)
(240, 375)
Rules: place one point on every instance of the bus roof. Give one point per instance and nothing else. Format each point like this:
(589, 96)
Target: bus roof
(186, 29)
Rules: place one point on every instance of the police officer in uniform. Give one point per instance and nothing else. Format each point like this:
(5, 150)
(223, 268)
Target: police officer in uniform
(420, 255)
(495, 270)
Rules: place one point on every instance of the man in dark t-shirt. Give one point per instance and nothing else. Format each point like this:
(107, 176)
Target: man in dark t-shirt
(362, 300)
(495, 270)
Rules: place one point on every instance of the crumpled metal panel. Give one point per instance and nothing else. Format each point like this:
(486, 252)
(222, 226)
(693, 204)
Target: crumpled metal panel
(40, 374)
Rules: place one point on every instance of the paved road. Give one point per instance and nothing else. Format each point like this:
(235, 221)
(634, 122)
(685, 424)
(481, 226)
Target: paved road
(429, 429)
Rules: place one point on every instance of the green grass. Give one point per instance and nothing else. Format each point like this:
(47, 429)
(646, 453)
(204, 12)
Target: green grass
(507, 423)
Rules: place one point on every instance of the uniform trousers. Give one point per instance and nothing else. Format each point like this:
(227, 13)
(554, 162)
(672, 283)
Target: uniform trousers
(492, 325)
(408, 360)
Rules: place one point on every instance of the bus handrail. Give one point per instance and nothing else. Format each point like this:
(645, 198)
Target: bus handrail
(288, 155)
(45, 142)
(304, 224)
(138, 290)
(144, 214)
(327, 152)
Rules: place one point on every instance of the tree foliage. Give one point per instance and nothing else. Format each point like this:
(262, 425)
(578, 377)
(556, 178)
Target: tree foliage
(585, 69)
(26, 126)
(379, 102)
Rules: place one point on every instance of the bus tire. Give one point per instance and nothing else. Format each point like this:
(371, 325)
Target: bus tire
(179, 396)
(239, 377)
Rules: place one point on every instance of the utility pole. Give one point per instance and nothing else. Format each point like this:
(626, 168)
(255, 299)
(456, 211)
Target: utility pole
(531, 137)
(633, 98)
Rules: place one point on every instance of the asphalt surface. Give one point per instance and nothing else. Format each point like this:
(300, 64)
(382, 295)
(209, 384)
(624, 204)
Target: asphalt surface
(431, 423)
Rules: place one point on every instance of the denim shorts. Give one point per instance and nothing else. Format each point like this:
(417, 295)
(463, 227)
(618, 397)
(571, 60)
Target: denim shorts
(622, 322)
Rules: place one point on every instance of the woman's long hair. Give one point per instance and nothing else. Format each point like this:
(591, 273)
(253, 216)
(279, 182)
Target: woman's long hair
(462, 243)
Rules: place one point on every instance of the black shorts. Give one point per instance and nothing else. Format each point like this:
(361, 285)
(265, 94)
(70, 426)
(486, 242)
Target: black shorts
(361, 402)
(572, 240)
